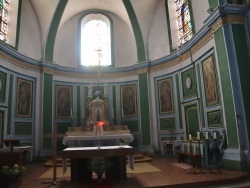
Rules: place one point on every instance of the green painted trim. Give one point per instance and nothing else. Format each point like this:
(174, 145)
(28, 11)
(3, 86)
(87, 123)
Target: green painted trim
(191, 16)
(200, 94)
(78, 103)
(47, 108)
(49, 48)
(18, 23)
(141, 53)
(241, 48)
(10, 100)
(114, 102)
(213, 4)
(231, 164)
(144, 107)
(226, 89)
(168, 27)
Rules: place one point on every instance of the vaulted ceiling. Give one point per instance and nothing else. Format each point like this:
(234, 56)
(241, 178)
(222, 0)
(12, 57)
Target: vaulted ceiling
(144, 10)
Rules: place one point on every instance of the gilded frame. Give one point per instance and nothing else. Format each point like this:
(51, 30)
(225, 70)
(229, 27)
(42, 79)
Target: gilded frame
(165, 96)
(210, 82)
(63, 101)
(24, 98)
(128, 100)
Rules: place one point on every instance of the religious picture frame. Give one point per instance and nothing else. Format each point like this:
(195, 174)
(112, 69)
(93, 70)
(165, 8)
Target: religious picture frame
(165, 96)
(63, 101)
(214, 118)
(128, 100)
(3, 79)
(24, 96)
(210, 82)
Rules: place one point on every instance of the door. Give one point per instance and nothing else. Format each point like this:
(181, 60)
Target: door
(192, 120)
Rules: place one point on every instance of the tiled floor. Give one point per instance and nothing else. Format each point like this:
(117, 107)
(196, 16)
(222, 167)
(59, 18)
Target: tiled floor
(169, 176)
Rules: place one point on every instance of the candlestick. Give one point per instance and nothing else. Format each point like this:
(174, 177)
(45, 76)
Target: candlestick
(206, 136)
(83, 113)
(113, 114)
(122, 113)
(71, 113)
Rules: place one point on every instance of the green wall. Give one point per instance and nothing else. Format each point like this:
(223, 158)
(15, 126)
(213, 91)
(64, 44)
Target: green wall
(144, 107)
(47, 109)
(243, 60)
(137, 31)
(49, 48)
(226, 88)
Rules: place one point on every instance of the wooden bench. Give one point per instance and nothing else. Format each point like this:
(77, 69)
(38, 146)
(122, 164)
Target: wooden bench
(194, 159)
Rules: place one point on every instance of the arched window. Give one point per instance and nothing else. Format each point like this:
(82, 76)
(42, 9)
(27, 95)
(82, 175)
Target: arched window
(95, 40)
(184, 20)
(4, 15)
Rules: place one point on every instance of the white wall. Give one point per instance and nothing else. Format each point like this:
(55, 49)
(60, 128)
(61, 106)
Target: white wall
(158, 42)
(199, 8)
(30, 43)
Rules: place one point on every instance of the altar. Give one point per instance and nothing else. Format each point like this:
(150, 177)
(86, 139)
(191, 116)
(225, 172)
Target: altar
(81, 157)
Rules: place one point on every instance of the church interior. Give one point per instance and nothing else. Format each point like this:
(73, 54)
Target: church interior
(124, 93)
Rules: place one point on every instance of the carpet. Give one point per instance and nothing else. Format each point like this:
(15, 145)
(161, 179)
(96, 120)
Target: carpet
(142, 167)
(181, 165)
(138, 168)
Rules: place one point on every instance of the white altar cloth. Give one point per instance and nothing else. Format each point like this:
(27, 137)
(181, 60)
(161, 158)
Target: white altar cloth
(126, 137)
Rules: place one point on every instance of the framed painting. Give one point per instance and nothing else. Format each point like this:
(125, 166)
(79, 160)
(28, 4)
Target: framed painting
(63, 101)
(214, 118)
(210, 82)
(128, 100)
(167, 124)
(165, 92)
(3, 77)
(23, 128)
(24, 98)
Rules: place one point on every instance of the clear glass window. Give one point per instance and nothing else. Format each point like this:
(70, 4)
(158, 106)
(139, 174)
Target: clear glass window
(95, 40)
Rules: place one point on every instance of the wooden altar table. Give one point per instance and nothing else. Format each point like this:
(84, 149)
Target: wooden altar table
(81, 159)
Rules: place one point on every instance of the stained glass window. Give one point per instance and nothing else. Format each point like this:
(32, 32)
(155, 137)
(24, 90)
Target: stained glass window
(4, 15)
(95, 41)
(184, 20)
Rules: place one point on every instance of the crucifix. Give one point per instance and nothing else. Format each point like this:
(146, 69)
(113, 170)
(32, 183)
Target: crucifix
(99, 53)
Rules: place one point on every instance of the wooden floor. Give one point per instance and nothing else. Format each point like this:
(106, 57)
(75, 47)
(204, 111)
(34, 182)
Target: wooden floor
(169, 176)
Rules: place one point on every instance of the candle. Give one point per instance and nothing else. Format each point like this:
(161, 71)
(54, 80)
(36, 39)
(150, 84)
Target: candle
(122, 113)
(215, 135)
(207, 135)
(83, 113)
(71, 113)
(190, 137)
(198, 136)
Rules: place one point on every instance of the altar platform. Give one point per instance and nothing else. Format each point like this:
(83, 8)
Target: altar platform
(169, 176)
